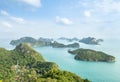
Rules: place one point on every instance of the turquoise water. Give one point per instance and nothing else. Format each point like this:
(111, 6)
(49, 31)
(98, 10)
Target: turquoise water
(95, 71)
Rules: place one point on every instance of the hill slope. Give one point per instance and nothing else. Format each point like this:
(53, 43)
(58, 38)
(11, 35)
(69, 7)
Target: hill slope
(23, 64)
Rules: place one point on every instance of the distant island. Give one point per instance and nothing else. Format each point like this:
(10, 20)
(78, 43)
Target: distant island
(68, 39)
(88, 40)
(60, 45)
(43, 42)
(33, 42)
(91, 55)
(91, 40)
(51, 42)
(23, 64)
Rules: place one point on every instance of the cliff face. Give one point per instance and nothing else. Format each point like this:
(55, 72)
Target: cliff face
(23, 64)
(91, 55)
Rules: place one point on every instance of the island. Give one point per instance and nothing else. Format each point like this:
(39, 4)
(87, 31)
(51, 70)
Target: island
(60, 45)
(91, 40)
(33, 42)
(23, 64)
(68, 39)
(43, 42)
(91, 55)
(88, 40)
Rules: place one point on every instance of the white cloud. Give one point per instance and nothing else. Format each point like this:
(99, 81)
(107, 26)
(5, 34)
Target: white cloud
(64, 21)
(87, 14)
(13, 18)
(6, 24)
(4, 13)
(35, 3)
(18, 20)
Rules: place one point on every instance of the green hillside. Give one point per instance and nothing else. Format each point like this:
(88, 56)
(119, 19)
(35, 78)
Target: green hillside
(23, 64)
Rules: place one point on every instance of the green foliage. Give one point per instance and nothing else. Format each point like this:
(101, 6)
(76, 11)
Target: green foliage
(91, 55)
(63, 76)
(23, 64)
(86, 80)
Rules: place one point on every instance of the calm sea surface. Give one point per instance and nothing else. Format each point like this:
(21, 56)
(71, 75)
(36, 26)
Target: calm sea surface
(94, 71)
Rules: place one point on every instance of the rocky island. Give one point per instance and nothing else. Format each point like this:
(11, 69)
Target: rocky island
(88, 40)
(91, 55)
(91, 40)
(33, 42)
(23, 64)
(60, 45)
(43, 42)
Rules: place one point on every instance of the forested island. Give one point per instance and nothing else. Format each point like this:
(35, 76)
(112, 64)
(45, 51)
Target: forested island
(32, 41)
(23, 64)
(87, 40)
(53, 43)
(43, 42)
(91, 40)
(60, 45)
(91, 55)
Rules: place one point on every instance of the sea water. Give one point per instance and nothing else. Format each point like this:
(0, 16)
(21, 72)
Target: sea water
(94, 71)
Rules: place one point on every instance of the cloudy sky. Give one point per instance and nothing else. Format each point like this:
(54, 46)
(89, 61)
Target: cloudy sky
(55, 18)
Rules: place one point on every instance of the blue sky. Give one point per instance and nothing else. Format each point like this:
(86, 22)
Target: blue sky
(56, 18)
